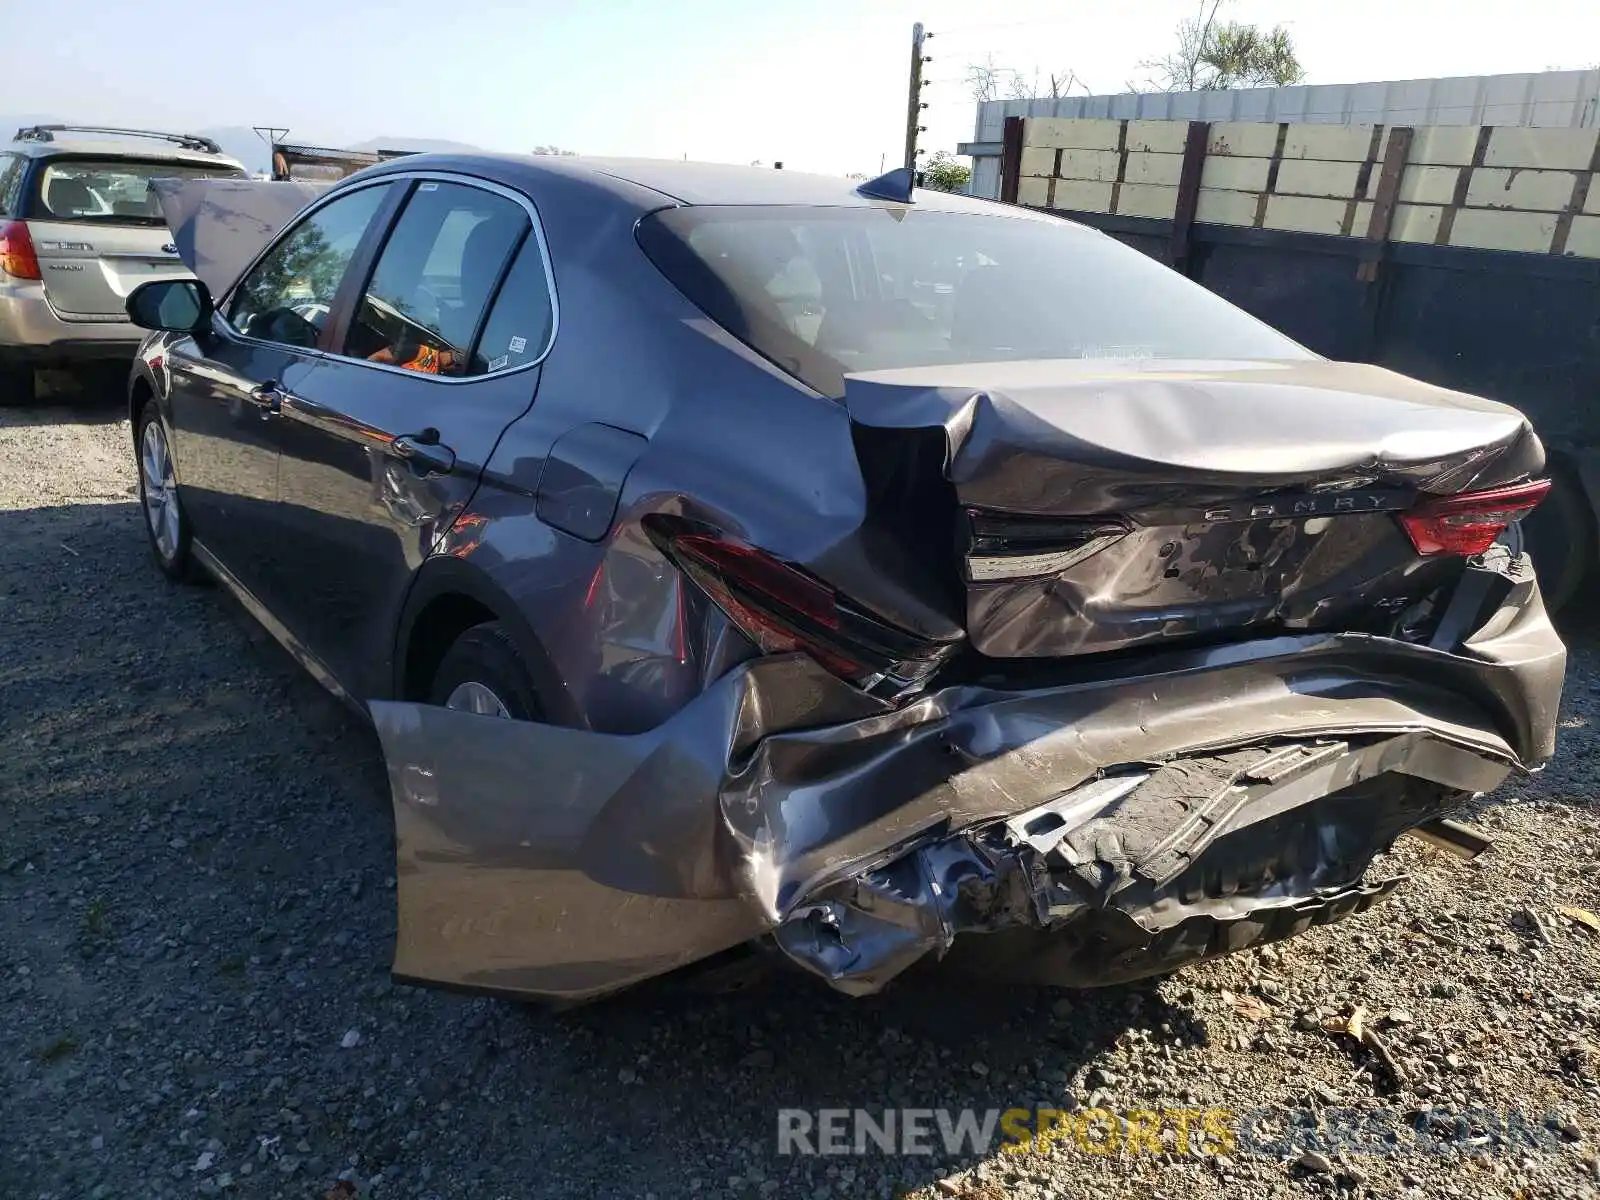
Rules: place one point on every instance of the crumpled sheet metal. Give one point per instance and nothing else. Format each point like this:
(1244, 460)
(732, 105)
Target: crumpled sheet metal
(562, 862)
(1118, 864)
(1109, 435)
(1207, 463)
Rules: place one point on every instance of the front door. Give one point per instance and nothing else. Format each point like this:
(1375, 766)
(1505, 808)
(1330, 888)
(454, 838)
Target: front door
(386, 443)
(229, 385)
(225, 442)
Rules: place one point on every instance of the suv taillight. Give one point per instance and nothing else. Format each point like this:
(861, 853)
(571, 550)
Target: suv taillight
(17, 258)
(1470, 523)
(783, 609)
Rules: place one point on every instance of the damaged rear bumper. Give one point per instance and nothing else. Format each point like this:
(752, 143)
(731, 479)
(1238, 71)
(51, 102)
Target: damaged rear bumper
(1123, 823)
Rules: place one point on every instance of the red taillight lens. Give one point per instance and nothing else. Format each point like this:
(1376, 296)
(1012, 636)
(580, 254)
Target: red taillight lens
(17, 258)
(783, 609)
(763, 578)
(1469, 523)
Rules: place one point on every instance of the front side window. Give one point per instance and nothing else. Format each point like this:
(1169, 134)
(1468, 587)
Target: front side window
(288, 295)
(824, 292)
(433, 281)
(111, 192)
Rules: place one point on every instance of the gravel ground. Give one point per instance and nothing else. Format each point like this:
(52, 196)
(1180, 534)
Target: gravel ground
(196, 882)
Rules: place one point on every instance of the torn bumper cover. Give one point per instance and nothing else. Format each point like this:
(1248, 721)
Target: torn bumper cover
(1114, 826)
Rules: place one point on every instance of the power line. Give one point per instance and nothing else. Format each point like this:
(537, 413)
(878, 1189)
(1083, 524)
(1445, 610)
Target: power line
(1004, 25)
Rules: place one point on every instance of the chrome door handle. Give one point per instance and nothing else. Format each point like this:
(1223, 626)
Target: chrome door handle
(424, 452)
(268, 398)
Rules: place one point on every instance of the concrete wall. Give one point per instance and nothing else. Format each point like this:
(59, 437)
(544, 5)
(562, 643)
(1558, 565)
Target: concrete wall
(1488, 187)
(1545, 99)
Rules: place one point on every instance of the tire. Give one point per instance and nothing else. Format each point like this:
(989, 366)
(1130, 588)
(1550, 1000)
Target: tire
(16, 386)
(1560, 536)
(482, 660)
(165, 523)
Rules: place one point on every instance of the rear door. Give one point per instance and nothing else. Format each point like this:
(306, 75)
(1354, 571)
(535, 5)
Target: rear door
(99, 233)
(385, 444)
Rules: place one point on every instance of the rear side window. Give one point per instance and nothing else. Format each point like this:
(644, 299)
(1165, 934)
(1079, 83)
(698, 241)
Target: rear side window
(115, 192)
(430, 289)
(522, 320)
(824, 292)
(12, 168)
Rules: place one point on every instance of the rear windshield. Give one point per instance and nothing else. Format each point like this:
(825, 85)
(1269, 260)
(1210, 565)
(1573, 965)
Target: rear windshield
(111, 191)
(824, 292)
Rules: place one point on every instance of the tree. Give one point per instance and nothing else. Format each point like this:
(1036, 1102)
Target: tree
(1213, 55)
(944, 173)
(985, 81)
(555, 150)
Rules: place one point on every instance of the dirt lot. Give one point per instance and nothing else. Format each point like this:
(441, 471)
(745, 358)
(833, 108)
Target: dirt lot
(196, 887)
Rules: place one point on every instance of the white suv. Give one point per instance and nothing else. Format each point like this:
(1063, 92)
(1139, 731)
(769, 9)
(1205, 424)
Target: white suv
(80, 228)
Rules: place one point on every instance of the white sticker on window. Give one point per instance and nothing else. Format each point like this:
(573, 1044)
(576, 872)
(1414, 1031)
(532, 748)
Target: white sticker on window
(498, 364)
(518, 345)
(427, 187)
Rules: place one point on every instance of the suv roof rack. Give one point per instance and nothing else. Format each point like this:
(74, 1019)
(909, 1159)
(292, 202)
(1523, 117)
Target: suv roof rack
(46, 133)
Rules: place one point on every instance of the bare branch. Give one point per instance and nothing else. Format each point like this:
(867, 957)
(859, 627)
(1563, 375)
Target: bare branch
(983, 79)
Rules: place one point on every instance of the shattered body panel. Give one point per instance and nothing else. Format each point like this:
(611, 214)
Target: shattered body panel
(1252, 494)
(561, 862)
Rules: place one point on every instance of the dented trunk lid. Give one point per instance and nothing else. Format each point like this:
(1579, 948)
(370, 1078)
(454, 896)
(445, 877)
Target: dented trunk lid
(1101, 504)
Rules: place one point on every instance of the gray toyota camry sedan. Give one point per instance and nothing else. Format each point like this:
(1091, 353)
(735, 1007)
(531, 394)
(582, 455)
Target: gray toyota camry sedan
(741, 565)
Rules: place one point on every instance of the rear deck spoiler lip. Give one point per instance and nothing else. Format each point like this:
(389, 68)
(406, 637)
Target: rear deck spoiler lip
(664, 847)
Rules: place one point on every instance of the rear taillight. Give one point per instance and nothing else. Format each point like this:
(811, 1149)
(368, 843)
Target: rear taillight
(1004, 547)
(783, 609)
(1471, 522)
(17, 258)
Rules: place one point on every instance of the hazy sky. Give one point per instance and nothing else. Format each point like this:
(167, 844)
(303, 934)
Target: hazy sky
(819, 85)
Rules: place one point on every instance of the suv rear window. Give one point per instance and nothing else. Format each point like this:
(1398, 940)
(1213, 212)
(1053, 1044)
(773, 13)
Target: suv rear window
(824, 292)
(111, 191)
(12, 168)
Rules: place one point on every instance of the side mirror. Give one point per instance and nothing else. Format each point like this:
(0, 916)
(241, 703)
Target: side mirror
(172, 305)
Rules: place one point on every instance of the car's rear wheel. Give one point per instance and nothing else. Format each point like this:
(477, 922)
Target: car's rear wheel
(483, 673)
(1560, 536)
(164, 519)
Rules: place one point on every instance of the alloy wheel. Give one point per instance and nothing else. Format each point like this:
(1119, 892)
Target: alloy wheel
(160, 490)
(474, 697)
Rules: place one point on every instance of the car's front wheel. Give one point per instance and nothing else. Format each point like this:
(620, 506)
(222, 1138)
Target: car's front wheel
(483, 673)
(164, 520)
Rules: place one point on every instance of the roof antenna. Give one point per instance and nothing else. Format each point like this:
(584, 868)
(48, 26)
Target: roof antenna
(891, 185)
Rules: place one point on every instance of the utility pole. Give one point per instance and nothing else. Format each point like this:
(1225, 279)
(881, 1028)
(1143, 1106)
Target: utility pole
(914, 103)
